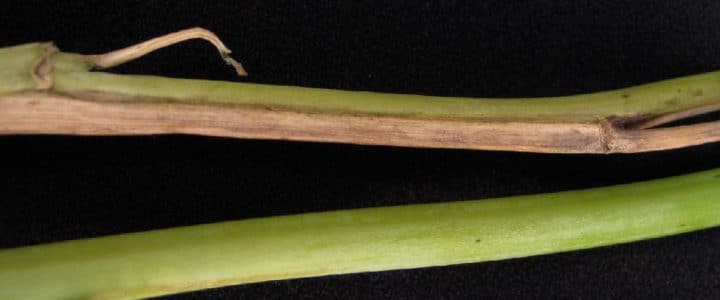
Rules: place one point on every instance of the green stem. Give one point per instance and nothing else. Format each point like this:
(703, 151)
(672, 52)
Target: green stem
(649, 99)
(373, 239)
(71, 75)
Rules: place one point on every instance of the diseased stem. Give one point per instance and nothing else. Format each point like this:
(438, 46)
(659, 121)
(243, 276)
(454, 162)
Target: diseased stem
(182, 259)
(44, 91)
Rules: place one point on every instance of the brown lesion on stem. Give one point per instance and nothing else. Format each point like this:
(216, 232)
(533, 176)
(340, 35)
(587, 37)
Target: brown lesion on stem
(47, 113)
(121, 56)
(41, 71)
(43, 113)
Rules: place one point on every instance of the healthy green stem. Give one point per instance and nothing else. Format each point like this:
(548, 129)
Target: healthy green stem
(373, 239)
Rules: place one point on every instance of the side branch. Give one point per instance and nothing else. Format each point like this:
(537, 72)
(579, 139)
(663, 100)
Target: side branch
(646, 140)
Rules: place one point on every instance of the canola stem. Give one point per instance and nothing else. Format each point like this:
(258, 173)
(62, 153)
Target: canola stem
(167, 261)
(45, 91)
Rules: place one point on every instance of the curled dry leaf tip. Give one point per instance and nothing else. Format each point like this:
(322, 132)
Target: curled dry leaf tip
(121, 56)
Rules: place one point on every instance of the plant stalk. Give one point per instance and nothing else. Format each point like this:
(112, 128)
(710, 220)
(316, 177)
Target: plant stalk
(167, 261)
(45, 91)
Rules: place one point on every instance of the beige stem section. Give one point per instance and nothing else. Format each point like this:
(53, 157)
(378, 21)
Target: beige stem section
(121, 56)
(44, 113)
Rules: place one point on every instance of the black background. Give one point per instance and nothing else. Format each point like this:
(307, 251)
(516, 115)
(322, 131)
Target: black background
(55, 188)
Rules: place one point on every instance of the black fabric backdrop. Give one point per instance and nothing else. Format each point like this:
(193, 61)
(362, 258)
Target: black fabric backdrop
(60, 187)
